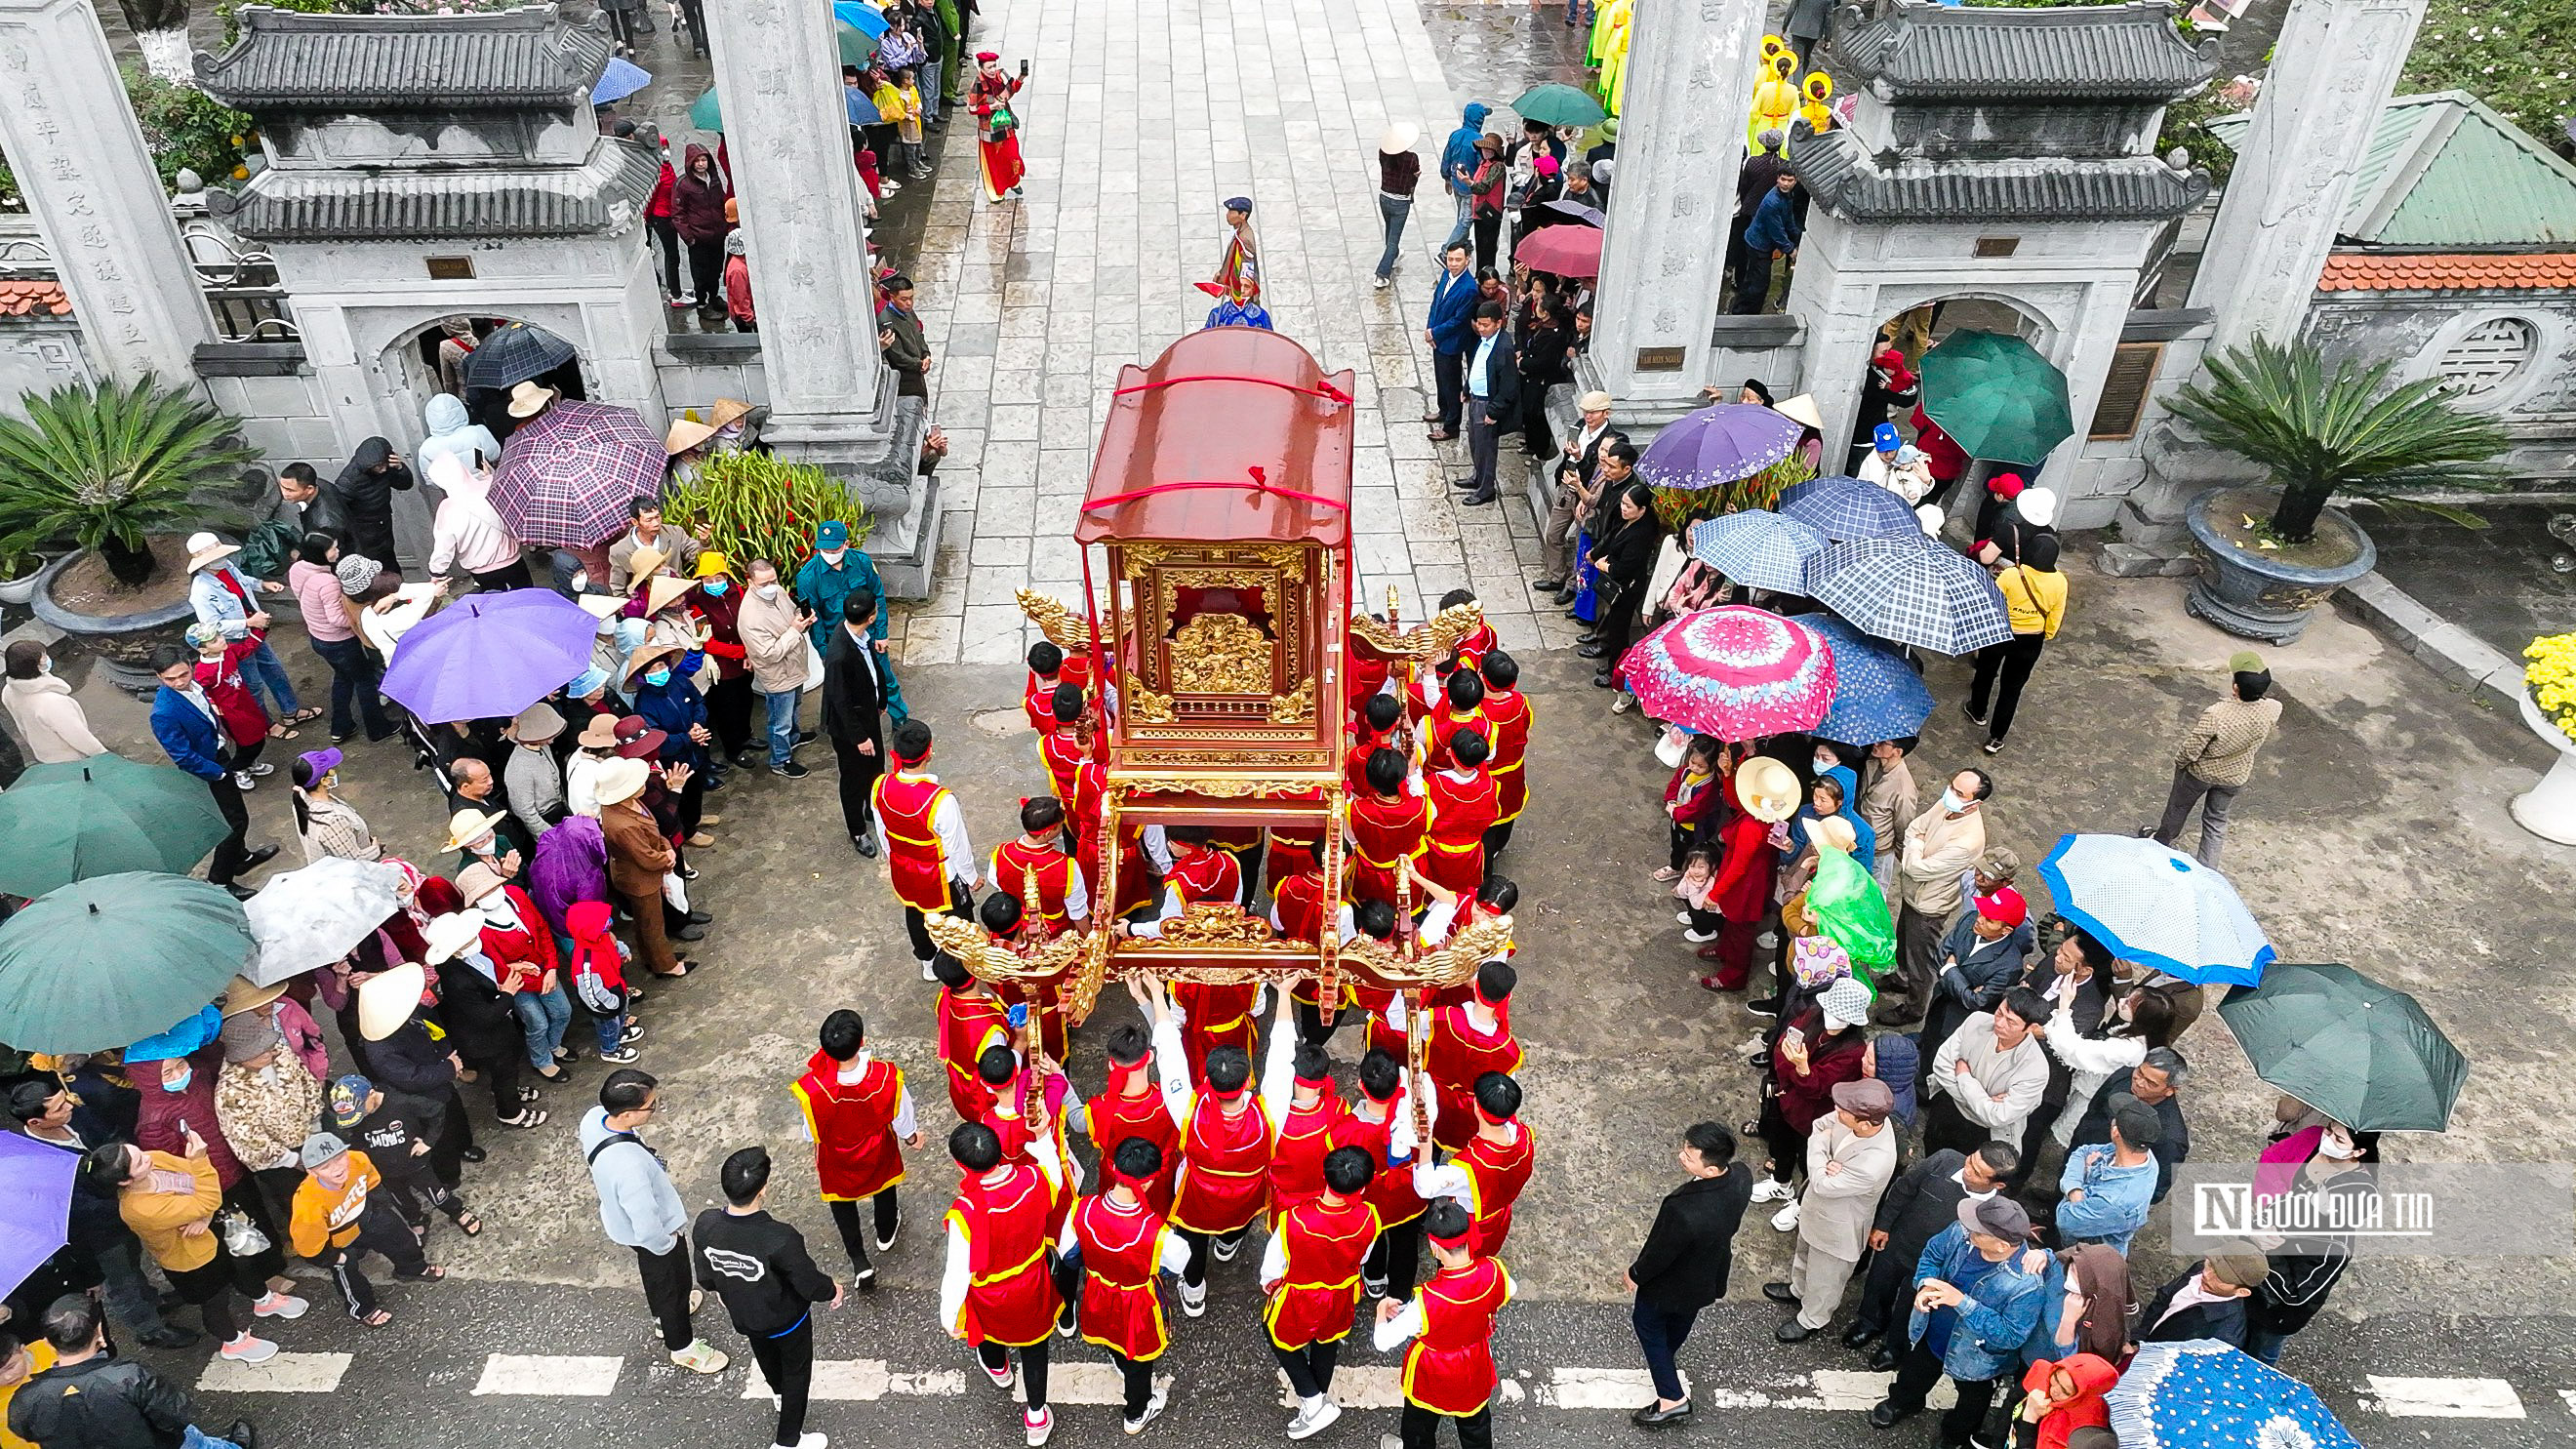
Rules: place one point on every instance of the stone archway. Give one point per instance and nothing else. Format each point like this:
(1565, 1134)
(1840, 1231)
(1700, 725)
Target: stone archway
(406, 374)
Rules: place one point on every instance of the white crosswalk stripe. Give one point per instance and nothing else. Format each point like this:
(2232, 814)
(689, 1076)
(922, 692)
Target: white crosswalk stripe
(552, 1375)
(2444, 1398)
(287, 1373)
(863, 1381)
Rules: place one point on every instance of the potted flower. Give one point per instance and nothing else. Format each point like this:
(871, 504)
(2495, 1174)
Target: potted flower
(116, 472)
(2270, 555)
(2548, 809)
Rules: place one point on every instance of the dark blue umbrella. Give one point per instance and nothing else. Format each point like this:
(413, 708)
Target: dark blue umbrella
(1877, 694)
(1759, 548)
(1716, 446)
(35, 1213)
(1847, 508)
(1911, 590)
(513, 354)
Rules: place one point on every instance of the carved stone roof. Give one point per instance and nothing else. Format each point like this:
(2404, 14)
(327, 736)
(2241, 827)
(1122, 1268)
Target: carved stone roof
(600, 198)
(1847, 181)
(290, 60)
(2122, 52)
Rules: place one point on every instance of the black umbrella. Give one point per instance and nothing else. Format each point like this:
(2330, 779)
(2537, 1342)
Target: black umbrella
(514, 354)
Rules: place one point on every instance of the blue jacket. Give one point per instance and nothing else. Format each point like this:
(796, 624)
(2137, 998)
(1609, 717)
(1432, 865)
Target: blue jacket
(1987, 969)
(193, 742)
(1461, 150)
(672, 708)
(1453, 312)
(2115, 1201)
(1865, 840)
(218, 605)
(1994, 1322)
(2042, 1342)
(1774, 227)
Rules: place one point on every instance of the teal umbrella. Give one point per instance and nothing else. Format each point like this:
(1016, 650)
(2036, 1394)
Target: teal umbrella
(2360, 1052)
(706, 113)
(108, 961)
(102, 816)
(1559, 105)
(1996, 397)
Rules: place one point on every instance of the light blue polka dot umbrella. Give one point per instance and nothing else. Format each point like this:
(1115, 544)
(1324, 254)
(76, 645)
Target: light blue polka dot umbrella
(2157, 907)
(2204, 1394)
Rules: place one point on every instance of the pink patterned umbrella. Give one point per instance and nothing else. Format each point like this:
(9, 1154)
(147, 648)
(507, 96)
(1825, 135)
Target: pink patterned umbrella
(1734, 672)
(566, 475)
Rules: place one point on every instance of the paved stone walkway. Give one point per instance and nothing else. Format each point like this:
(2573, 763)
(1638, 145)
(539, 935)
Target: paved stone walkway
(1140, 120)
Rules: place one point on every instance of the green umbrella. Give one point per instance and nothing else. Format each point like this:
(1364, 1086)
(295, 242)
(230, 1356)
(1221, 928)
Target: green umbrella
(856, 48)
(100, 816)
(1996, 397)
(107, 961)
(703, 113)
(1559, 105)
(2362, 1053)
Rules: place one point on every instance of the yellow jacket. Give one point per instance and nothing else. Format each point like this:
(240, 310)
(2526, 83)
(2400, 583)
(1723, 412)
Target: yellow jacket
(2036, 598)
(329, 1216)
(160, 1218)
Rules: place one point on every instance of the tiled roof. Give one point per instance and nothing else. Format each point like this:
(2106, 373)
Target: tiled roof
(2445, 169)
(604, 196)
(34, 299)
(1845, 180)
(2446, 271)
(290, 60)
(1946, 52)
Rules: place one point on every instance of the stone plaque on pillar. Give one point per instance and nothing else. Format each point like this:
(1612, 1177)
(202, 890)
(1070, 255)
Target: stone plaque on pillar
(832, 399)
(91, 186)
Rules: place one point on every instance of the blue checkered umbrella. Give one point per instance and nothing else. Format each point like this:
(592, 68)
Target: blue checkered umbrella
(1911, 590)
(1762, 549)
(1877, 694)
(2153, 905)
(1847, 508)
(2204, 1394)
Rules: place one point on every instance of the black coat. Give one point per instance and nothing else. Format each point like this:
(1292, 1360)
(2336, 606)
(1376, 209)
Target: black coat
(1627, 551)
(1586, 464)
(853, 693)
(1689, 1252)
(2224, 1321)
(2095, 1126)
(101, 1403)
(368, 498)
(1920, 1203)
(1502, 375)
(410, 1063)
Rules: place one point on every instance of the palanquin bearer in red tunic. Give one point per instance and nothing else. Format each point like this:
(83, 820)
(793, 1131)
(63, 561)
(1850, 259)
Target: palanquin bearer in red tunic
(1110, 1257)
(971, 1019)
(1509, 711)
(921, 835)
(1068, 740)
(1488, 1175)
(1387, 828)
(1449, 1367)
(1050, 667)
(1463, 808)
(1196, 872)
(1131, 1107)
(1382, 1123)
(1377, 728)
(1468, 1040)
(1311, 1270)
(1034, 864)
(1227, 1134)
(997, 1291)
(859, 1116)
(1462, 707)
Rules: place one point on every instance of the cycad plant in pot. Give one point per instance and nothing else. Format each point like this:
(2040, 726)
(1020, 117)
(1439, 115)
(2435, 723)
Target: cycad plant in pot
(2269, 555)
(107, 467)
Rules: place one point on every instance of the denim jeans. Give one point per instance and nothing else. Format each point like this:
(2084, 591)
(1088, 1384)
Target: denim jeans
(353, 676)
(926, 79)
(782, 724)
(611, 1031)
(1393, 211)
(1578, 12)
(2264, 1344)
(543, 1015)
(266, 671)
(1457, 233)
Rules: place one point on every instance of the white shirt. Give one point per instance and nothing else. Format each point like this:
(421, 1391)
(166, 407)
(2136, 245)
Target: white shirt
(958, 1272)
(1407, 1323)
(2186, 1296)
(581, 779)
(1478, 383)
(947, 822)
(1278, 1071)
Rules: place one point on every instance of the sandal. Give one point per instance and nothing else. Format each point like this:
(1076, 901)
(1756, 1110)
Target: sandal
(685, 968)
(430, 1274)
(305, 715)
(279, 731)
(1710, 983)
(524, 1117)
(550, 1074)
(375, 1318)
(469, 1223)
(1667, 873)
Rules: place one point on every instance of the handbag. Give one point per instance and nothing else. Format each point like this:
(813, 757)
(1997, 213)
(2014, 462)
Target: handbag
(813, 665)
(242, 1237)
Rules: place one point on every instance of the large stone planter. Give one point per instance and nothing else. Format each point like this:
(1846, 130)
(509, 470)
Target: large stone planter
(2548, 809)
(2255, 593)
(123, 642)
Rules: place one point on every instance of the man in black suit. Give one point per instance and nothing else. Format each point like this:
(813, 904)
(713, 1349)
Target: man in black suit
(2208, 1300)
(1922, 1201)
(1493, 371)
(1575, 473)
(1684, 1265)
(854, 715)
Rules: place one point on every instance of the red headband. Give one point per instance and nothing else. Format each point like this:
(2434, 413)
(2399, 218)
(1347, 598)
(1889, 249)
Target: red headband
(1460, 1241)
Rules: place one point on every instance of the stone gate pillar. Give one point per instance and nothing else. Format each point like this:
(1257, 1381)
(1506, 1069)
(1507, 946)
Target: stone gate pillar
(91, 186)
(1690, 79)
(831, 397)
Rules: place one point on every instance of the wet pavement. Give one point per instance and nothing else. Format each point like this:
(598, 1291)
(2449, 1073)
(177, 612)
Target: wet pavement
(2507, 583)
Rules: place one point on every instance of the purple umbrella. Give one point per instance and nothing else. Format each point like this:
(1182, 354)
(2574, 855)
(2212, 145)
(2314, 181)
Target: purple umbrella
(1717, 445)
(36, 1210)
(489, 656)
(566, 476)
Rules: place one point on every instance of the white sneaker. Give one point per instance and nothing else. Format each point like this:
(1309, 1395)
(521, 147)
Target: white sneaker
(1683, 917)
(1767, 1189)
(927, 974)
(263, 769)
(280, 1305)
(1001, 1377)
(1325, 1413)
(246, 1349)
(1153, 1407)
(1379, 283)
(1786, 1219)
(1767, 940)
(1699, 938)
(1194, 1300)
(814, 1439)
(242, 778)
(1041, 1423)
(1225, 1250)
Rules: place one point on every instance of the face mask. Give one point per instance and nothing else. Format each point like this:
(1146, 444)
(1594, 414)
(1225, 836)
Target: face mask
(580, 582)
(499, 912)
(769, 591)
(716, 587)
(1951, 802)
(1825, 762)
(657, 677)
(44, 666)
(481, 844)
(180, 1082)
(832, 556)
(331, 781)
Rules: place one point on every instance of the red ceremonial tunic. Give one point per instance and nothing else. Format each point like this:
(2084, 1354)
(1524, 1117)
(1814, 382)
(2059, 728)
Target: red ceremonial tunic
(1390, 1191)
(1509, 713)
(1443, 726)
(1225, 1166)
(1115, 1117)
(1037, 700)
(1459, 1054)
(1211, 1017)
(967, 1026)
(855, 1153)
(1384, 833)
(1460, 816)
(1471, 651)
(1288, 853)
(1015, 860)
(1122, 1251)
(1010, 1123)
(1496, 1173)
(1362, 675)
(1064, 755)
(1319, 1291)
(1300, 899)
(1355, 764)
(1449, 1366)
(914, 856)
(1297, 1157)
(1010, 1300)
